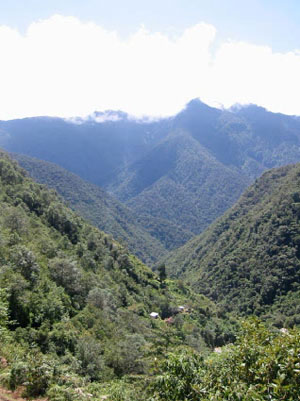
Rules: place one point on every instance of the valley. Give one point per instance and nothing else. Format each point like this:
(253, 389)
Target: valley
(173, 176)
(136, 254)
(149, 200)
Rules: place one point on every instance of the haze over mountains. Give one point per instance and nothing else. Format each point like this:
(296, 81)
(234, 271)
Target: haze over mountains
(184, 171)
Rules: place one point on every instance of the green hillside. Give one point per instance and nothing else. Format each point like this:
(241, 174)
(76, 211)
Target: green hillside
(248, 261)
(96, 206)
(184, 171)
(75, 305)
(180, 181)
(205, 162)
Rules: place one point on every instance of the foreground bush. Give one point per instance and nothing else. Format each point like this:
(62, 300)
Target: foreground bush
(262, 365)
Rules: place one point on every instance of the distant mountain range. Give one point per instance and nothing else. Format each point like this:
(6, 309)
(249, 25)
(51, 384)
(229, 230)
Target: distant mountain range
(184, 171)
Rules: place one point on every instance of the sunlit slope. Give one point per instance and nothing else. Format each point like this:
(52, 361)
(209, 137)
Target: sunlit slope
(249, 260)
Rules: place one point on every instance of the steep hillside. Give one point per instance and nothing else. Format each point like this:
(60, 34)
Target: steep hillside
(147, 237)
(181, 181)
(249, 260)
(187, 169)
(200, 169)
(75, 305)
(101, 209)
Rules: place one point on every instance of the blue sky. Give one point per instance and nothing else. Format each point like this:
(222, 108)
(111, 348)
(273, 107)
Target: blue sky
(71, 57)
(266, 22)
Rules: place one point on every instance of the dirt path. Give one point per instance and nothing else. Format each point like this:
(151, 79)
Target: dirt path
(6, 395)
(3, 398)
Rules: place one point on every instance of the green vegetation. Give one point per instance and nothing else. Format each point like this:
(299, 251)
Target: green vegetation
(262, 365)
(183, 172)
(75, 305)
(185, 186)
(248, 261)
(76, 319)
(147, 237)
(99, 208)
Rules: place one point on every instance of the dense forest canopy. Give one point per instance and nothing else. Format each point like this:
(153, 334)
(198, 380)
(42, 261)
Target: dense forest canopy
(75, 305)
(249, 260)
(106, 212)
(203, 155)
(82, 318)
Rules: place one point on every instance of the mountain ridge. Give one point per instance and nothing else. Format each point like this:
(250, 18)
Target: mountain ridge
(131, 159)
(186, 192)
(249, 259)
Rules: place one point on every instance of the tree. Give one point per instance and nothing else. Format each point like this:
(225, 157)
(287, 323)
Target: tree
(4, 319)
(162, 274)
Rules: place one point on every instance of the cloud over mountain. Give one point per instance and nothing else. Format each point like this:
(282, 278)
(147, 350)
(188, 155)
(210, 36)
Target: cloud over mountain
(65, 67)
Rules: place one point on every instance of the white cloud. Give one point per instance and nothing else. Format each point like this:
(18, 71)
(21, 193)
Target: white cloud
(64, 67)
(246, 73)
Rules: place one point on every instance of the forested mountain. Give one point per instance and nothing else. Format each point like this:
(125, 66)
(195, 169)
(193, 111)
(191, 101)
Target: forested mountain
(75, 305)
(181, 181)
(184, 170)
(146, 237)
(249, 138)
(249, 260)
(93, 150)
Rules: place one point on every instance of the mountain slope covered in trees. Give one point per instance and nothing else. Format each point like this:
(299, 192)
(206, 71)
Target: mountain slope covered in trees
(93, 150)
(75, 305)
(146, 237)
(249, 260)
(179, 180)
(205, 155)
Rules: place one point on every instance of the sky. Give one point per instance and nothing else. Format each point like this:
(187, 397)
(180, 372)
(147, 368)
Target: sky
(147, 57)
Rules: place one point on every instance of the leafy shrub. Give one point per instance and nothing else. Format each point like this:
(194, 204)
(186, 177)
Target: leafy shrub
(90, 355)
(35, 373)
(125, 356)
(261, 366)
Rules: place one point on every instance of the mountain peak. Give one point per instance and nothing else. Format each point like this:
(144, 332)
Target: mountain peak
(196, 104)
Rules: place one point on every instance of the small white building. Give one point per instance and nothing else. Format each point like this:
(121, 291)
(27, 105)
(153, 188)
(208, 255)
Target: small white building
(154, 315)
